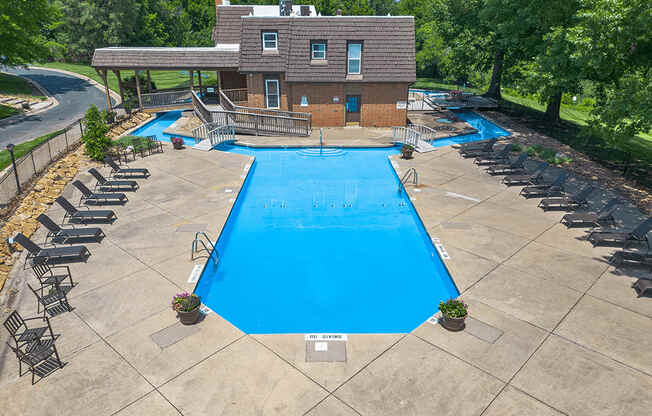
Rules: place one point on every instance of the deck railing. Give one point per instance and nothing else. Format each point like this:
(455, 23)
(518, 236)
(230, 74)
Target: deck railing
(221, 134)
(166, 98)
(236, 95)
(427, 133)
(406, 136)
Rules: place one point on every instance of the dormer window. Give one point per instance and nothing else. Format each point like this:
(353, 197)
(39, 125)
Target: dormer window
(270, 41)
(318, 48)
(354, 58)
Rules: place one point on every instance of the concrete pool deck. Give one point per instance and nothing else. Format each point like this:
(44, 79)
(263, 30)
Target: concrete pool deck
(572, 338)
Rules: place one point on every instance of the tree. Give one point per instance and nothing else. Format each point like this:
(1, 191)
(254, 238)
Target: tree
(95, 129)
(23, 28)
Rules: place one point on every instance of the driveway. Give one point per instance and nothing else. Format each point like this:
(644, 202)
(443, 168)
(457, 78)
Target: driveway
(75, 95)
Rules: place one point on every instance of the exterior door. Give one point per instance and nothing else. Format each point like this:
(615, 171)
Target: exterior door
(272, 93)
(353, 108)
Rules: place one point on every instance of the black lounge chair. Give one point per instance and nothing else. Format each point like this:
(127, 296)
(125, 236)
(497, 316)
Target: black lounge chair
(622, 238)
(495, 158)
(604, 216)
(570, 202)
(531, 179)
(642, 286)
(119, 172)
(482, 149)
(73, 215)
(104, 184)
(89, 197)
(65, 235)
(475, 145)
(54, 301)
(632, 258)
(553, 188)
(514, 167)
(51, 255)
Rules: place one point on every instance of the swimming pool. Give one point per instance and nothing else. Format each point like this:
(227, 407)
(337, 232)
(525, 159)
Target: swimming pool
(486, 130)
(324, 242)
(162, 121)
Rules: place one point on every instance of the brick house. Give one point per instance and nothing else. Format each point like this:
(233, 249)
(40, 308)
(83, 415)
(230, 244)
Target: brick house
(343, 70)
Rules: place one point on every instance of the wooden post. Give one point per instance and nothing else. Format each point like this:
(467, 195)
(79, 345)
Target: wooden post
(102, 74)
(122, 91)
(140, 98)
(199, 77)
(149, 82)
(192, 79)
(219, 81)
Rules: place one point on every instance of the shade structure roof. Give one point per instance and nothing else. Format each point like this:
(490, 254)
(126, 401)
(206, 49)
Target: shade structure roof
(222, 56)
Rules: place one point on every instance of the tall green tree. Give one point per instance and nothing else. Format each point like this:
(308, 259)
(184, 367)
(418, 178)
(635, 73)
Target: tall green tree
(24, 25)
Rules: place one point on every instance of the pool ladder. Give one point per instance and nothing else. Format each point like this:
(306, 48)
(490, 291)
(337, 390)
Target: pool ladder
(410, 176)
(202, 238)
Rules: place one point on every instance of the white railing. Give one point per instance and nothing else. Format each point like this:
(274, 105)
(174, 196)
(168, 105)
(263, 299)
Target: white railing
(201, 132)
(221, 134)
(406, 136)
(427, 133)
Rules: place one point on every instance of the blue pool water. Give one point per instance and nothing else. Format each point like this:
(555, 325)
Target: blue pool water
(486, 130)
(324, 243)
(161, 122)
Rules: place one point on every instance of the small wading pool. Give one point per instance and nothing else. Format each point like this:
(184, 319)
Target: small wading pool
(486, 130)
(323, 241)
(162, 121)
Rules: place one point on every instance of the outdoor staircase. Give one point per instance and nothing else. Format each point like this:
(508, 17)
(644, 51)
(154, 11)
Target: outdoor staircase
(412, 137)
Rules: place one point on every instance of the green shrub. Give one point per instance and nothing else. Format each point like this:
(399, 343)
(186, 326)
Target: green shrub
(531, 151)
(547, 154)
(95, 131)
(453, 308)
(516, 147)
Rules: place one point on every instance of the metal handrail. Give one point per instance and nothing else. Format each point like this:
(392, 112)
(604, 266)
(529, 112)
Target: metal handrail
(196, 241)
(410, 174)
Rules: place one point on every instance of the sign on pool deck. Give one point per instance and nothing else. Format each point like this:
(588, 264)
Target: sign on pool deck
(325, 347)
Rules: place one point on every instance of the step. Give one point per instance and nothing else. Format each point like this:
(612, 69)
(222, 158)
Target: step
(204, 145)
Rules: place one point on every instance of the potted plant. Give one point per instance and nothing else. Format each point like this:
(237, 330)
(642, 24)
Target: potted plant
(454, 313)
(406, 151)
(187, 307)
(177, 142)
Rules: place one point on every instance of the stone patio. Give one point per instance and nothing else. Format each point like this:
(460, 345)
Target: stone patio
(573, 337)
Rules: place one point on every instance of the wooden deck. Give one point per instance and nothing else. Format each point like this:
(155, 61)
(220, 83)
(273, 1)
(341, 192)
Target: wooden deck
(419, 101)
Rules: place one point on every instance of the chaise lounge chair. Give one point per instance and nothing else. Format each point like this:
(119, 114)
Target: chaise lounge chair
(531, 179)
(112, 185)
(495, 158)
(478, 149)
(570, 202)
(51, 255)
(553, 188)
(642, 286)
(67, 235)
(622, 238)
(514, 167)
(604, 216)
(89, 197)
(118, 172)
(73, 215)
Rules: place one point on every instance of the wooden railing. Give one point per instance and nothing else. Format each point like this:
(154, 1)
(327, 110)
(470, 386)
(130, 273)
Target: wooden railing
(201, 110)
(166, 99)
(237, 95)
(406, 136)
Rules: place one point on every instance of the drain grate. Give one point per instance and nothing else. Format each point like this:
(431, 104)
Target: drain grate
(173, 334)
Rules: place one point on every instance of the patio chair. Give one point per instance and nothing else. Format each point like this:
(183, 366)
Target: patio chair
(475, 145)
(525, 179)
(604, 216)
(49, 275)
(51, 255)
(105, 184)
(553, 188)
(570, 202)
(154, 144)
(73, 215)
(494, 158)
(89, 197)
(642, 286)
(41, 359)
(514, 167)
(622, 238)
(54, 299)
(117, 171)
(631, 257)
(483, 149)
(68, 235)
(24, 334)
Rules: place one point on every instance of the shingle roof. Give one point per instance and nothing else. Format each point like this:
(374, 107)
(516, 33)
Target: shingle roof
(388, 47)
(227, 27)
(223, 56)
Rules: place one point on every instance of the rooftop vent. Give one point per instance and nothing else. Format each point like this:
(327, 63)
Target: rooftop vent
(339, 12)
(285, 7)
(305, 10)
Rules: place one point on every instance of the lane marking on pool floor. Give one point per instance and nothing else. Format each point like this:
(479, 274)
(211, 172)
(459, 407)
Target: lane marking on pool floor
(454, 195)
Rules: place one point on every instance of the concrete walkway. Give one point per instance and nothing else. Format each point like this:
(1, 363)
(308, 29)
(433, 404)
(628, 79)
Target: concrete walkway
(554, 329)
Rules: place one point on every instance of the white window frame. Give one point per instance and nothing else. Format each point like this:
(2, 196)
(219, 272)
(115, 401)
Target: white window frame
(349, 59)
(265, 48)
(312, 50)
(278, 93)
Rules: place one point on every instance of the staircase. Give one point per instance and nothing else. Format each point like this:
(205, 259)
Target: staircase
(414, 138)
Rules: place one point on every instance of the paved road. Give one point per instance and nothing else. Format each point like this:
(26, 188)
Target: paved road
(75, 95)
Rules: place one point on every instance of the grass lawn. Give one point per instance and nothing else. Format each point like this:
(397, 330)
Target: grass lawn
(23, 148)
(17, 86)
(6, 111)
(162, 79)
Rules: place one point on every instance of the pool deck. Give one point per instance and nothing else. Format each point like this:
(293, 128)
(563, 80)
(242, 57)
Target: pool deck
(555, 330)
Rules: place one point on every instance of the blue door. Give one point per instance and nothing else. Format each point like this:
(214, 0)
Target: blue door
(352, 108)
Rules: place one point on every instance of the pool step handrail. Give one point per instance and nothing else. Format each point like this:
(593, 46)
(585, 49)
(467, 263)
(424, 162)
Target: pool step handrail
(199, 240)
(411, 174)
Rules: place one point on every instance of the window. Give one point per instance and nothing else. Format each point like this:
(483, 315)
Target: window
(354, 58)
(318, 49)
(304, 101)
(272, 95)
(270, 41)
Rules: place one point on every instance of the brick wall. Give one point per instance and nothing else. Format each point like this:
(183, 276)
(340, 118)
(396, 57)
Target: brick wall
(379, 105)
(324, 111)
(256, 93)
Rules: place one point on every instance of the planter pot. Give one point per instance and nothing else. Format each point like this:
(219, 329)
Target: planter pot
(452, 324)
(407, 154)
(189, 318)
(177, 146)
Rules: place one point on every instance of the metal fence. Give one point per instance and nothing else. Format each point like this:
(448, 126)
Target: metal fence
(38, 159)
